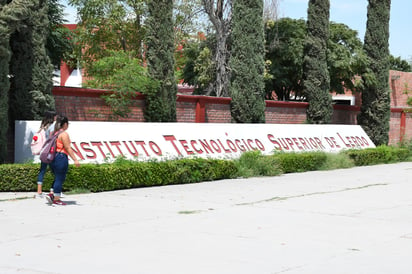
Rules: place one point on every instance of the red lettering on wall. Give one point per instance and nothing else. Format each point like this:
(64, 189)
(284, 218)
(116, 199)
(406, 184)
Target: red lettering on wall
(226, 150)
(343, 140)
(135, 153)
(155, 148)
(273, 141)
(297, 143)
(193, 143)
(239, 145)
(206, 146)
(76, 150)
(117, 144)
(142, 145)
(186, 147)
(172, 139)
(85, 146)
(99, 146)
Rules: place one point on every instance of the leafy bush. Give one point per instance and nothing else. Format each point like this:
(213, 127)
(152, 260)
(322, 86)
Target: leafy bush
(122, 174)
(125, 174)
(379, 155)
(336, 161)
(253, 163)
(300, 161)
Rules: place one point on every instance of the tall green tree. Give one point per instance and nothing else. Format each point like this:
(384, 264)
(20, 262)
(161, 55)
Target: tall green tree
(375, 110)
(5, 54)
(12, 16)
(284, 42)
(316, 80)
(346, 58)
(161, 104)
(247, 62)
(397, 63)
(60, 39)
(107, 25)
(31, 84)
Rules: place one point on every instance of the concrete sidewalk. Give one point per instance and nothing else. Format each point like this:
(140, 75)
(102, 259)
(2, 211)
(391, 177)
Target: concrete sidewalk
(353, 221)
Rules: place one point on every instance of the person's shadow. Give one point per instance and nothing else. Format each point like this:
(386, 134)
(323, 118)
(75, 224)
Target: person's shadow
(66, 202)
(70, 202)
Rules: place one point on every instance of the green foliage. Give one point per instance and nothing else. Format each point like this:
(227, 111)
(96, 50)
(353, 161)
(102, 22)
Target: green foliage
(316, 80)
(199, 69)
(397, 63)
(106, 26)
(4, 88)
(345, 56)
(375, 110)
(380, 155)
(125, 173)
(253, 164)
(300, 161)
(161, 104)
(31, 84)
(124, 75)
(188, 19)
(337, 161)
(284, 40)
(247, 63)
(122, 174)
(23, 33)
(59, 39)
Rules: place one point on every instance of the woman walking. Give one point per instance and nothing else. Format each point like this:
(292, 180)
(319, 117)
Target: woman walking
(60, 164)
(47, 124)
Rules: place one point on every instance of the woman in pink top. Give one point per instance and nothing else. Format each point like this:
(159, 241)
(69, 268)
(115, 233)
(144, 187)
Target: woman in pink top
(60, 164)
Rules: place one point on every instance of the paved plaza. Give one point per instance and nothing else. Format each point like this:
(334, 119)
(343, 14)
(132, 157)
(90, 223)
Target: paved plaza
(348, 221)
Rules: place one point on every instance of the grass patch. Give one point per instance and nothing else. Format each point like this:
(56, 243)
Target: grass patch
(337, 161)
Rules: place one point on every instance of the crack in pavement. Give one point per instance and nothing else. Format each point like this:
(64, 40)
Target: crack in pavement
(309, 194)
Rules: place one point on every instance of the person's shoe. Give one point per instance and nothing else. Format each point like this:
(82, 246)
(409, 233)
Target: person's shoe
(59, 202)
(62, 195)
(50, 198)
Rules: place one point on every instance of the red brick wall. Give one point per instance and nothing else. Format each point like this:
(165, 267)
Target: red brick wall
(278, 112)
(86, 105)
(400, 84)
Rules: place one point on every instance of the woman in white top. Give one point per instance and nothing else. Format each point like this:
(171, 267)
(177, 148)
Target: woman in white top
(48, 125)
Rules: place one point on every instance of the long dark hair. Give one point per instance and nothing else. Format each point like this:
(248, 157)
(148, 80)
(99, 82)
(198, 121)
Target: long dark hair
(48, 118)
(60, 121)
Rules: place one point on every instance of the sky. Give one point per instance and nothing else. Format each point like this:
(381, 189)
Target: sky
(352, 13)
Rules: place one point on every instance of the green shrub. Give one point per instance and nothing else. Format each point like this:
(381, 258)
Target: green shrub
(125, 174)
(337, 161)
(122, 174)
(379, 155)
(300, 161)
(253, 163)
(407, 144)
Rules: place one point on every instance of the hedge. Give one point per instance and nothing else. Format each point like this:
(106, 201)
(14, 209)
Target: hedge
(125, 174)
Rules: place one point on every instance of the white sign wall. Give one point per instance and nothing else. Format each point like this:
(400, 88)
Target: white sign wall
(97, 142)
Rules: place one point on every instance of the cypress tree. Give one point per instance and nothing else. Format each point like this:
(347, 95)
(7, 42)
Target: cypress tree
(161, 103)
(316, 80)
(375, 110)
(11, 14)
(247, 87)
(4, 85)
(30, 93)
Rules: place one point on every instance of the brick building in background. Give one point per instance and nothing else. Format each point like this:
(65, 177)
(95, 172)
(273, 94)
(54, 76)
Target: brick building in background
(86, 105)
